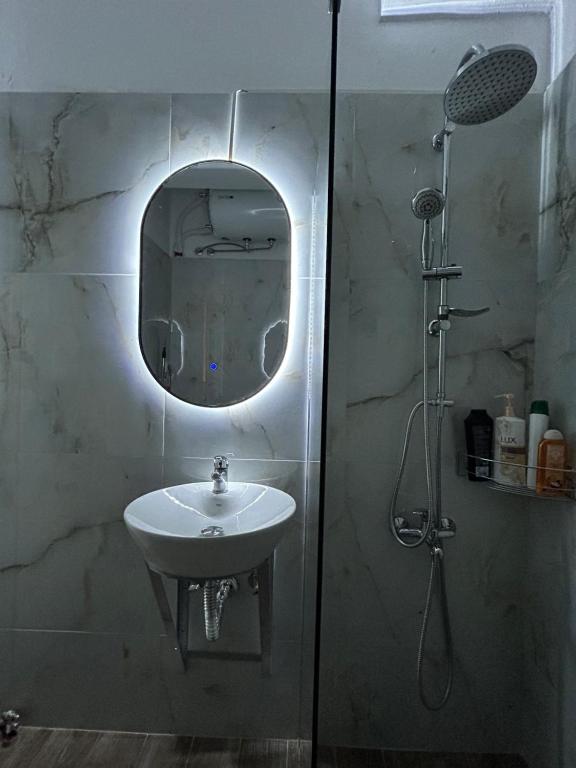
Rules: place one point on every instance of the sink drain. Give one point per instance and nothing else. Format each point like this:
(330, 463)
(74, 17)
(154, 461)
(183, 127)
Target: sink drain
(212, 530)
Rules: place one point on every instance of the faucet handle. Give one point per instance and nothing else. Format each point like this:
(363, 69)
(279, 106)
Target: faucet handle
(468, 312)
(221, 461)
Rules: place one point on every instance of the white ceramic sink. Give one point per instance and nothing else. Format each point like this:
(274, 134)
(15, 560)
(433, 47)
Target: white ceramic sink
(188, 531)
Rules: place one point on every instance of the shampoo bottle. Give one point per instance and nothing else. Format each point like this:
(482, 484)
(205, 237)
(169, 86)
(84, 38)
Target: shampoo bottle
(552, 452)
(538, 422)
(509, 446)
(479, 429)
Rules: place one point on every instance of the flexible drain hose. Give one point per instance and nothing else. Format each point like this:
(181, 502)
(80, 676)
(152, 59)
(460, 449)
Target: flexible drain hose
(212, 609)
(215, 593)
(437, 577)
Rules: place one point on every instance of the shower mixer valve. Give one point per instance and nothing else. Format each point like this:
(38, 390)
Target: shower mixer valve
(446, 529)
(442, 321)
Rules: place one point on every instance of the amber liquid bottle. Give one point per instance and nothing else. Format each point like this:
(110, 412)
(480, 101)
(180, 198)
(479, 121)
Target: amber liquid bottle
(550, 475)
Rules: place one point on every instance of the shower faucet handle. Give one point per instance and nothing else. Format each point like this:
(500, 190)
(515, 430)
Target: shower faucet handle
(468, 312)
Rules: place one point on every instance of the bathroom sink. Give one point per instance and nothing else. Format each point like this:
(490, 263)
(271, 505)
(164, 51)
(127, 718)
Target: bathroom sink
(187, 531)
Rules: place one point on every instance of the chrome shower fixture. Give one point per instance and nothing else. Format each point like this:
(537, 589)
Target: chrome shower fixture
(427, 204)
(488, 83)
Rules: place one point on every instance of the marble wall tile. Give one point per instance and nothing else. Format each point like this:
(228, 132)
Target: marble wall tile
(549, 629)
(374, 590)
(559, 171)
(85, 429)
(248, 299)
(9, 523)
(496, 187)
(10, 360)
(200, 128)
(135, 679)
(83, 167)
(271, 425)
(84, 387)
(72, 548)
(284, 136)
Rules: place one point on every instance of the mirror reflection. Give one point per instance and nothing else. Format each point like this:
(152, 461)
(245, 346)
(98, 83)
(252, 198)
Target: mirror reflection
(214, 283)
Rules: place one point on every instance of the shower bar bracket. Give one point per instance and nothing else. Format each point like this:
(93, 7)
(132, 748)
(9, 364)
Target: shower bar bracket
(452, 272)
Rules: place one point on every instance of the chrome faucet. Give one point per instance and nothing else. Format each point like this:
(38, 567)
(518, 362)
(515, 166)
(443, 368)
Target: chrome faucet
(220, 475)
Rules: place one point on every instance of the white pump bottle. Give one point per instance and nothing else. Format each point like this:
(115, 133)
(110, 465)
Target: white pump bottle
(509, 446)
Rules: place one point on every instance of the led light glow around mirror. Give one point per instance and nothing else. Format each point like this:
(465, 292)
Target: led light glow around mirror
(252, 428)
(298, 315)
(215, 283)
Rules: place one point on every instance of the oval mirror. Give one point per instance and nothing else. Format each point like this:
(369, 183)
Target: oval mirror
(214, 283)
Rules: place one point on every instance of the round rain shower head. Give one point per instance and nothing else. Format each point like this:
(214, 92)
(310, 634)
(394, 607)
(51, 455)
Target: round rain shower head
(488, 83)
(428, 203)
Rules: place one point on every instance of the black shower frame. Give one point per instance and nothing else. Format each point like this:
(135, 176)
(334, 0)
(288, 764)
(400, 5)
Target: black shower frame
(335, 8)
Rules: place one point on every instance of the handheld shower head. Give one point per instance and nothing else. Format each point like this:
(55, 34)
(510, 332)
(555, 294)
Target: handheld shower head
(488, 83)
(427, 204)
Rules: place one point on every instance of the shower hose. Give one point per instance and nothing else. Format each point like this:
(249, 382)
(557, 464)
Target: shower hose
(430, 527)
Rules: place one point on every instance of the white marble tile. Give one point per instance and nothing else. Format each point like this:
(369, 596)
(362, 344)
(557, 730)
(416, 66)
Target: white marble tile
(494, 194)
(270, 425)
(134, 684)
(84, 385)
(559, 166)
(200, 128)
(10, 360)
(73, 551)
(256, 705)
(9, 522)
(493, 191)
(284, 137)
(84, 167)
(549, 630)
(376, 350)
(373, 600)
(87, 420)
(245, 303)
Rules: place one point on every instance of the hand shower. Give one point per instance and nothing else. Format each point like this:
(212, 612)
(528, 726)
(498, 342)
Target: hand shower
(487, 84)
(427, 204)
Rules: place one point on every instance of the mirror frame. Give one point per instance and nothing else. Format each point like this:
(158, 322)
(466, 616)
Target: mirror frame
(289, 282)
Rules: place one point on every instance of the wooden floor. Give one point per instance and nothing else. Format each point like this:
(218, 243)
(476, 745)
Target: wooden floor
(44, 748)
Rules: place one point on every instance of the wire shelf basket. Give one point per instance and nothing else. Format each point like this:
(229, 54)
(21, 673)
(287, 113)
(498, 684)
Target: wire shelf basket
(567, 493)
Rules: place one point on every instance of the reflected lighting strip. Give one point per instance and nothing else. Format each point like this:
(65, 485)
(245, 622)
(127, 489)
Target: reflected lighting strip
(259, 408)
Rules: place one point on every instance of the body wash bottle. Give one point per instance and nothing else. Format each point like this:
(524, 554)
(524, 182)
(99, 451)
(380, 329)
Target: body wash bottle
(538, 422)
(509, 446)
(552, 454)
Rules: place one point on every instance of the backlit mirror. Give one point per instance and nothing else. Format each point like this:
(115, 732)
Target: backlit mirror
(214, 283)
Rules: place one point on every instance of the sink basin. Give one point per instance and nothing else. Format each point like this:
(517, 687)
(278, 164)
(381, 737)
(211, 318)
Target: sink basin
(187, 531)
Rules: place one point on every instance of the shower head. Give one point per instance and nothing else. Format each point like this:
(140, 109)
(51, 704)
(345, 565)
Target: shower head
(428, 203)
(488, 83)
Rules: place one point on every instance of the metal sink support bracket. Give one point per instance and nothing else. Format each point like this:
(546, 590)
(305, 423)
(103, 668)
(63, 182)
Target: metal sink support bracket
(216, 591)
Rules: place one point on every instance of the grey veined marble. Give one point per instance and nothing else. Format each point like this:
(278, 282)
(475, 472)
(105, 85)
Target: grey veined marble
(373, 590)
(84, 428)
(551, 558)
